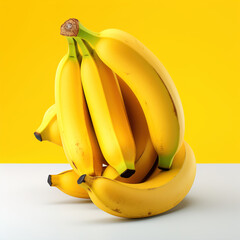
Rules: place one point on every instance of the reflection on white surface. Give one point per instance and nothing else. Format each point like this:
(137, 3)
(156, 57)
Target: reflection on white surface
(30, 209)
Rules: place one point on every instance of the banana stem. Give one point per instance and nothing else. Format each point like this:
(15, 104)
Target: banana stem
(88, 35)
(71, 47)
(84, 49)
(79, 56)
(72, 27)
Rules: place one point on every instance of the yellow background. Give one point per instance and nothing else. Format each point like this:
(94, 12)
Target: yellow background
(197, 41)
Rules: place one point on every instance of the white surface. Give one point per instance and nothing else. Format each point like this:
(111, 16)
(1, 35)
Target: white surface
(31, 209)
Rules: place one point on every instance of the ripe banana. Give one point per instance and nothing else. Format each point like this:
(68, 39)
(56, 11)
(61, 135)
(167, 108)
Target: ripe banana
(141, 70)
(67, 183)
(78, 137)
(145, 152)
(48, 129)
(149, 198)
(108, 113)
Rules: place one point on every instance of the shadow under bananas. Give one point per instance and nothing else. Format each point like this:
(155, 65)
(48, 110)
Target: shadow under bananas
(187, 202)
(72, 201)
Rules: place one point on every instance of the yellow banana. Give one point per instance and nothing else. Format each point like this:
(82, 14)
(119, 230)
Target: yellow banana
(141, 70)
(78, 137)
(67, 183)
(108, 113)
(48, 129)
(149, 198)
(145, 152)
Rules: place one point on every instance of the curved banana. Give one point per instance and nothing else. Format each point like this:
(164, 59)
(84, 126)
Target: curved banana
(146, 76)
(67, 183)
(48, 129)
(78, 137)
(108, 113)
(145, 152)
(149, 198)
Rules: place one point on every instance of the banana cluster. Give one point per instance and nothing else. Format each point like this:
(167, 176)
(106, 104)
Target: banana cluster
(119, 118)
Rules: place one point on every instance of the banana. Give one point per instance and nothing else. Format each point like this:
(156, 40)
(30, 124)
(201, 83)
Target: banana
(141, 70)
(145, 152)
(67, 183)
(78, 137)
(108, 113)
(48, 129)
(146, 199)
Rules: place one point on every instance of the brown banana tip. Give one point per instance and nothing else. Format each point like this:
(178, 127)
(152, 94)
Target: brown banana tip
(81, 179)
(38, 136)
(49, 180)
(70, 28)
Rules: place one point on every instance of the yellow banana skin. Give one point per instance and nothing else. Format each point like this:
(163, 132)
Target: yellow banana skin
(78, 138)
(146, 76)
(108, 113)
(152, 197)
(48, 129)
(67, 183)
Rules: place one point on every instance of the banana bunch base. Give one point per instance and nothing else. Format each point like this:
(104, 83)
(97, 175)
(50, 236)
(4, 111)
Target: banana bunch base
(119, 119)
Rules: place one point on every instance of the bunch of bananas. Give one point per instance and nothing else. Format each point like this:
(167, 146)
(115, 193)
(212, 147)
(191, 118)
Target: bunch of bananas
(119, 119)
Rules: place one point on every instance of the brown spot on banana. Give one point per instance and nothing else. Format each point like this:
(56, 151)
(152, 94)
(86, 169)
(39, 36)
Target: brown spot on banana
(117, 210)
(74, 165)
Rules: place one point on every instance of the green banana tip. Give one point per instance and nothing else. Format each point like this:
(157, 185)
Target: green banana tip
(164, 163)
(70, 28)
(38, 136)
(164, 166)
(81, 179)
(49, 180)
